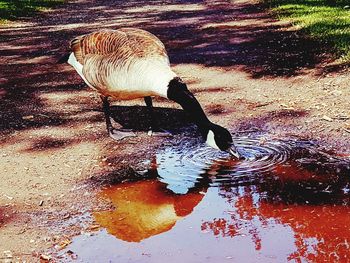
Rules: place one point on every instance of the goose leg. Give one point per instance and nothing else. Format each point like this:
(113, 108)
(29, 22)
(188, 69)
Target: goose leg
(154, 130)
(148, 101)
(116, 134)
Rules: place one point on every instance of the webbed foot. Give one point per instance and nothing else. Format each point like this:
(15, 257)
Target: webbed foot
(119, 134)
(159, 133)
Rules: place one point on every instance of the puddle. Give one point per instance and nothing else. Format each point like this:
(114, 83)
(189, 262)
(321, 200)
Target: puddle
(286, 201)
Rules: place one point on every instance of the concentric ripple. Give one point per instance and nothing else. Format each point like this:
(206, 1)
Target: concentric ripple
(259, 155)
(189, 164)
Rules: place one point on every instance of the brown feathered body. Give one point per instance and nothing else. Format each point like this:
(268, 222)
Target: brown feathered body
(124, 64)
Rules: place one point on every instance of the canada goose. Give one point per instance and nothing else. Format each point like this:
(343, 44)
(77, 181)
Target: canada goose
(130, 63)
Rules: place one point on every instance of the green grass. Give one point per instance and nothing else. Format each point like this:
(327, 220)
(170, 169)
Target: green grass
(326, 20)
(14, 9)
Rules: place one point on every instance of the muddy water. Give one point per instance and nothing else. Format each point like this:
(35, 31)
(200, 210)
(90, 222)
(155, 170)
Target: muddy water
(286, 201)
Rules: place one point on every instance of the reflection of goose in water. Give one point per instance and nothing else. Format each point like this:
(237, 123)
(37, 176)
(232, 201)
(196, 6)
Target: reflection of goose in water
(147, 208)
(144, 209)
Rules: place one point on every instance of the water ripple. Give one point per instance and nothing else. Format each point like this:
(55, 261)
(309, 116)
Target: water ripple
(187, 164)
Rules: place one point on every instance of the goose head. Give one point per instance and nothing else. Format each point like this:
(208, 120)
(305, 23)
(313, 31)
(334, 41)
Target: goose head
(220, 138)
(215, 135)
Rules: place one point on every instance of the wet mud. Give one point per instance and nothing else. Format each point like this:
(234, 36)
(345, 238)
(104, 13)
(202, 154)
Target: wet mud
(286, 201)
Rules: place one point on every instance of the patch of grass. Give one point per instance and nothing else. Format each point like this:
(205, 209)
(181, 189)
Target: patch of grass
(327, 20)
(14, 9)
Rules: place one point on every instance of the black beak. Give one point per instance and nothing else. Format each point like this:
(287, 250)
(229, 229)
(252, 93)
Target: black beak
(233, 151)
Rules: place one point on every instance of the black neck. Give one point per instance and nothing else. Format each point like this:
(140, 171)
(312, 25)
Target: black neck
(178, 92)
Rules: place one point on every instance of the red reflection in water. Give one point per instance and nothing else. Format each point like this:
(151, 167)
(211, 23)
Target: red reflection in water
(144, 209)
(321, 232)
(328, 224)
(293, 172)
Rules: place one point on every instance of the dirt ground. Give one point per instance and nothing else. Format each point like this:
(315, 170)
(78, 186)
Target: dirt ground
(251, 73)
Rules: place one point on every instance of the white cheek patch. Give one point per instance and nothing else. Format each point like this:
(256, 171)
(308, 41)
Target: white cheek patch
(211, 141)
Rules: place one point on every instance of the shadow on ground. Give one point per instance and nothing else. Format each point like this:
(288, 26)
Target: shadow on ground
(138, 118)
(260, 123)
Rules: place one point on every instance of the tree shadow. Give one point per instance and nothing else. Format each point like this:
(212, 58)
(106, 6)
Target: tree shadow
(47, 143)
(242, 36)
(22, 108)
(259, 123)
(326, 19)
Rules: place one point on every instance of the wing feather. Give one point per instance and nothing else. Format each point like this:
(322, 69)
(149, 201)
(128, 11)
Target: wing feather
(122, 43)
